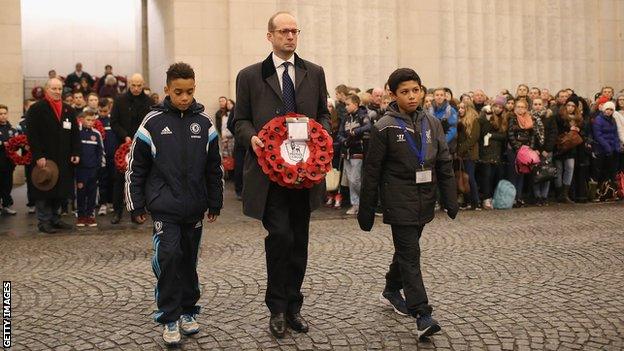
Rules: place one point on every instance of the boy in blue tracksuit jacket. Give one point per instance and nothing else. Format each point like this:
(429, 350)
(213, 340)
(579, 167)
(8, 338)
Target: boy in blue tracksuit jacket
(91, 160)
(107, 174)
(175, 173)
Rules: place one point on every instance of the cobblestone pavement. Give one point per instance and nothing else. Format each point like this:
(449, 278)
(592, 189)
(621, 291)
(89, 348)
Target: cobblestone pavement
(537, 278)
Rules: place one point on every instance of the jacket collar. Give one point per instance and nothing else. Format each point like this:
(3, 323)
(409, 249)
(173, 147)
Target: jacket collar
(167, 106)
(269, 74)
(268, 66)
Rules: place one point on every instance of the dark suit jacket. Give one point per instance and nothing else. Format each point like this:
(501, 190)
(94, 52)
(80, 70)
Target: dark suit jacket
(258, 100)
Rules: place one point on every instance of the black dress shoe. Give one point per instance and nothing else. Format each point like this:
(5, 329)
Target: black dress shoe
(296, 322)
(46, 228)
(62, 225)
(277, 325)
(116, 218)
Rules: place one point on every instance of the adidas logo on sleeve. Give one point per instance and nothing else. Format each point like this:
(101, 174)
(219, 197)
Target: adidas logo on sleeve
(166, 130)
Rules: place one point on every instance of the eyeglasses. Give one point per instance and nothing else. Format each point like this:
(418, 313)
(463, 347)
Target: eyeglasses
(285, 32)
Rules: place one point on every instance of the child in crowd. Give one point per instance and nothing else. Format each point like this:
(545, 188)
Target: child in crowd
(91, 160)
(21, 129)
(6, 165)
(107, 174)
(352, 129)
(177, 179)
(92, 101)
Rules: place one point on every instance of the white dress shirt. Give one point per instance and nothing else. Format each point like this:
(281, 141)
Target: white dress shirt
(280, 69)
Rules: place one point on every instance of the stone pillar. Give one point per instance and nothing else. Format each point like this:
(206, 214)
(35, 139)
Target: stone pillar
(11, 82)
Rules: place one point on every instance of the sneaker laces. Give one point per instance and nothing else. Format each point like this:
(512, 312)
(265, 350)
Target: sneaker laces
(172, 326)
(188, 318)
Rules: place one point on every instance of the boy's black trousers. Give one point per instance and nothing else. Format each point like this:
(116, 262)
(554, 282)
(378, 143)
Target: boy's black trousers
(174, 263)
(404, 272)
(6, 185)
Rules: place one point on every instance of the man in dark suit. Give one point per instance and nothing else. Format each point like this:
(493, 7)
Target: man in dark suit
(280, 84)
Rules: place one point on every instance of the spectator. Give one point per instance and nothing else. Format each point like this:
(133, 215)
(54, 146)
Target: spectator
(106, 181)
(545, 96)
(218, 116)
(91, 161)
(447, 115)
(155, 98)
(479, 100)
(606, 144)
(522, 91)
(128, 111)
(493, 127)
(79, 101)
(375, 104)
(21, 129)
(226, 137)
(53, 135)
(6, 165)
(523, 130)
(534, 93)
(109, 89)
(68, 98)
(468, 134)
(93, 102)
(618, 115)
(539, 111)
(561, 98)
(73, 79)
(608, 92)
(239, 153)
(570, 119)
(85, 87)
(351, 134)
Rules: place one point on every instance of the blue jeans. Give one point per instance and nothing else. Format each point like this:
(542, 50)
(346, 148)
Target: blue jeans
(469, 165)
(353, 169)
(565, 172)
(541, 190)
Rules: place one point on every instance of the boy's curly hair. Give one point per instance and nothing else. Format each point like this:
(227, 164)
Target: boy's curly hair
(180, 70)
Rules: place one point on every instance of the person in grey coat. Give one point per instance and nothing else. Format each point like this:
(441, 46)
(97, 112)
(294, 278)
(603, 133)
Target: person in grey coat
(282, 83)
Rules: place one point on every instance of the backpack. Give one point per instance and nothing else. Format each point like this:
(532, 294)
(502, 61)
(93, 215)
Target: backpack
(526, 159)
(504, 195)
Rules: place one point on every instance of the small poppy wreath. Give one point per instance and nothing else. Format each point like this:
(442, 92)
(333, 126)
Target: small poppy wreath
(121, 161)
(306, 173)
(16, 143)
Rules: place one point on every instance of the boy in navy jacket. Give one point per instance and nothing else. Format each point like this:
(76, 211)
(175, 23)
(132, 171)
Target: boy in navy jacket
(175, 173)
(107, 174)
(91, 160)
(6, 165)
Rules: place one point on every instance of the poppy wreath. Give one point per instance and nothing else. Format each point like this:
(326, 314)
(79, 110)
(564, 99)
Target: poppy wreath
(304, 174)
(98, 126)
(121, 162)
(16, 143)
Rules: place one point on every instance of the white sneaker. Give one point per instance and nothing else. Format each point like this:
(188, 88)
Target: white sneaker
(487, 204)
(188, 324)
(9, 211)
(171, 334)
(102, 211)
(353, 210)
(31, 210)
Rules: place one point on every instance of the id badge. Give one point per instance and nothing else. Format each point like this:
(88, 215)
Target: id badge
(66, 125)
(424, 176)
(297, 129)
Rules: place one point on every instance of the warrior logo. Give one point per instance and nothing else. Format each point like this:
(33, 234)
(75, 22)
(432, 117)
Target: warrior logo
(428, 136)
(195, 128)
(158, 227)
(400, 138)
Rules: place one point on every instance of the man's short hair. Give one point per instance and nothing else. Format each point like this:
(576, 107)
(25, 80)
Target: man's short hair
(77, 92)
(354, 99)
(108, 66)
(343, 89)
(402, 75)
(4, 107)
(271, 26)
(180, 70)
(439, 89)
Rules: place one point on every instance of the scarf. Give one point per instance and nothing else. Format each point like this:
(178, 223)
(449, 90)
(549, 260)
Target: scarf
(525, 121)
(56, 106)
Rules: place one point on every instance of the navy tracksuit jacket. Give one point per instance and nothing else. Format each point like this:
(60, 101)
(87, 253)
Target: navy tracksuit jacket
(91, 160)
(175, 173)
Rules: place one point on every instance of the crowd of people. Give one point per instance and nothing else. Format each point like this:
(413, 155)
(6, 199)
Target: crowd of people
(581, 140)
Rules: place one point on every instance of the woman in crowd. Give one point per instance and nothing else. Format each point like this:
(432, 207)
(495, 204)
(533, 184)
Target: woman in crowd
(523, 130)
(493, 124)
(468, 148)
(539, 111)
(606, 144)
(522, 91)
(569, 119)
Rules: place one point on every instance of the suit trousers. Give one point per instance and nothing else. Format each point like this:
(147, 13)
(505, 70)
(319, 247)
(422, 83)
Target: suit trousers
(174, 263)
(287, 219)
(404, 272)
(6, 186)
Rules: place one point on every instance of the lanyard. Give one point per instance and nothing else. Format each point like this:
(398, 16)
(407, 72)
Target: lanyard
(422, 153)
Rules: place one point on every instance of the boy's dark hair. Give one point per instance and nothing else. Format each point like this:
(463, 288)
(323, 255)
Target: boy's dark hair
(66, 95)
(448, 90)
(180, 70)
(4, 107)
(103, 103)
(354, 99)
(108, 66)
(402, 75)
(77, 92)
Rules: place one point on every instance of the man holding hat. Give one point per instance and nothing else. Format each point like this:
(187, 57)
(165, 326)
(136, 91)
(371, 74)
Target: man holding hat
(54, 141)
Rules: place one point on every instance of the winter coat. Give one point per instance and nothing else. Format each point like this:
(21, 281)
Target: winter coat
(530, 137)
(357, 123)
(174, 170)
(447, 115)
(550, 131)
(468, 145)
(110, 139)
(48, 138)
(391, 166)
(92, 149)
(128, 113)
(606, 140)
(6, 133)
(490, 153)
(619, 121)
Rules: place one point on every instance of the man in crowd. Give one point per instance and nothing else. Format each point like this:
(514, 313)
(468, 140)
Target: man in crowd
(73, 79)
(53, 135)
(280, 84)
(79, 101)
(129, 109)
(445, 113)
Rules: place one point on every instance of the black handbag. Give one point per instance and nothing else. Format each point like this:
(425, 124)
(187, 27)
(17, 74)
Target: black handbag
(545, 171)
